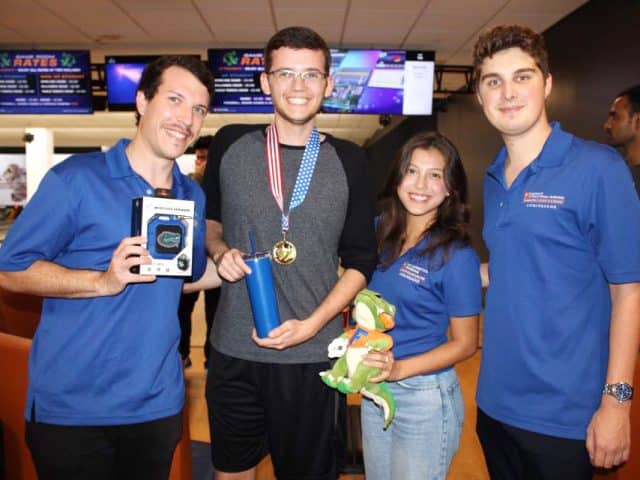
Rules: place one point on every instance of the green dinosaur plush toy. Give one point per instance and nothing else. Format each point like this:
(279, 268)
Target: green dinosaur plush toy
(373, 316)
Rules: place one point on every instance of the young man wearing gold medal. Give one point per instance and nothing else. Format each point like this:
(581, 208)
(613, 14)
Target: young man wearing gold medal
(308, 202)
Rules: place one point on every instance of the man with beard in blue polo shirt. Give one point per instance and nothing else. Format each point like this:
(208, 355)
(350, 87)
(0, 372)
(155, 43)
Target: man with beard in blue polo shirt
(106, 386)
(623, 128)
(562, 321)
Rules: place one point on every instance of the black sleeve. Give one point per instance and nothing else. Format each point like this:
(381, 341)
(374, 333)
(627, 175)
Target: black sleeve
(220, 143)
(357, 247)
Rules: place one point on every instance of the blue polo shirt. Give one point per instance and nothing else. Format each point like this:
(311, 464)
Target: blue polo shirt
(568, 226)
(102, 360)
(426, 293)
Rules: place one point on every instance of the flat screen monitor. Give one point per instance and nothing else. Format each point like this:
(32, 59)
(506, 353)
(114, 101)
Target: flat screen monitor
(45, 82)
(122, 74)
(393, 82)
(236, 72)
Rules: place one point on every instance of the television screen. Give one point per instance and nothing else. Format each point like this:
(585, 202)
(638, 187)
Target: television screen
(122, 74)
(45, 81)
(394, 82)
(237, 81)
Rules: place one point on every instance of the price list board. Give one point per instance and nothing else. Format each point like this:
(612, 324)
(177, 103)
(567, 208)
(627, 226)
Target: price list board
(236, 74)
(55, 82)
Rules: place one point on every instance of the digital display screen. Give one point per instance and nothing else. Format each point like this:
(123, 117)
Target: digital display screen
(393, 82)
(54, 82)
(122, 74)
(237, 81)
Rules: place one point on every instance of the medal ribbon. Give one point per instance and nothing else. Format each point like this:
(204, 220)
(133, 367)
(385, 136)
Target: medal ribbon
(303, 180)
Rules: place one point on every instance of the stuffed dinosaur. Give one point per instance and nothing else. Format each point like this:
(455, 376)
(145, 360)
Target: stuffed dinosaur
(373, 316)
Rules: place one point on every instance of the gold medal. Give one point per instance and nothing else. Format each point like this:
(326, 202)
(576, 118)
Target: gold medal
(284, 252)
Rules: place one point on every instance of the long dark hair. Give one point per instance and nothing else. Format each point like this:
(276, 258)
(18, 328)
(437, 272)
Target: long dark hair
(451, 226)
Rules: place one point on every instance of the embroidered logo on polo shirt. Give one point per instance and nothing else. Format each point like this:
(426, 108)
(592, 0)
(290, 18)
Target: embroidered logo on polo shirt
(542, 200)
(413, 273)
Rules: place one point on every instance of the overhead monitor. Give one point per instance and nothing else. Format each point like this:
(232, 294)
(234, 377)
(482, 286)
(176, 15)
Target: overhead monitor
(236, 72)
(122, 74)
(393, 82)
(45, 81)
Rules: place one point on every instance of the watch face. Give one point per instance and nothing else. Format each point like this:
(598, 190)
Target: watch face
(623, 392)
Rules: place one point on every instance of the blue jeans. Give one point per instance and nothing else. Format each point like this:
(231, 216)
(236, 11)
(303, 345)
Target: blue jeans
(424, 435)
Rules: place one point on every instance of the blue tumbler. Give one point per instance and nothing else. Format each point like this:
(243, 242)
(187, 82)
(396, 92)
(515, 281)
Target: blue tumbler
(262, 293)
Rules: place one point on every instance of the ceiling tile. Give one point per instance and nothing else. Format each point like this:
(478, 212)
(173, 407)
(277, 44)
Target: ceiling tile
(378, 27)
(144, 5)
(177, 26)
(37, 24)
(390, 6)
(557, 8)
(100, 19)
(214, 5)
(311, 6)
(8, 35)
(243, 35)
(465, 7)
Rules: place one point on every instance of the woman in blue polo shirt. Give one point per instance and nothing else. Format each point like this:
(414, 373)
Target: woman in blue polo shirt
(430, 273)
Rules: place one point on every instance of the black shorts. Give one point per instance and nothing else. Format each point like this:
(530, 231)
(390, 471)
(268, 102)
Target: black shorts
(282, 409)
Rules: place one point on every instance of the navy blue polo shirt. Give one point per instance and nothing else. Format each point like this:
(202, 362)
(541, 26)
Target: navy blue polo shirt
(426, 294)
(103, 360)
(568, 226)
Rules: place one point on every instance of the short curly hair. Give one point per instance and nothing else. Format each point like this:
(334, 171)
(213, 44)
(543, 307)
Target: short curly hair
(503, 37)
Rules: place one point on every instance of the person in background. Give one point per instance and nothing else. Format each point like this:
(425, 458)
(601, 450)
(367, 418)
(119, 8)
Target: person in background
(211, 296)
(623, 128)
(430, 273)
(562, 319)
(308, 202)
(106, 386)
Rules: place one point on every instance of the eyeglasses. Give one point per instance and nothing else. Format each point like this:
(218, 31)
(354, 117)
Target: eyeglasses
(309, 77)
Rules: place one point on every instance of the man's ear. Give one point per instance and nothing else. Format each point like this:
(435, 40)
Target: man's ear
(635, 123)
(548, 83)
(141, 102)
(329, 89)
(264, 83)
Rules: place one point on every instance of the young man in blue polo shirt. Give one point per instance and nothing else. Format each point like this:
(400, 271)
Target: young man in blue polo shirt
(105, 379)
(562, 321)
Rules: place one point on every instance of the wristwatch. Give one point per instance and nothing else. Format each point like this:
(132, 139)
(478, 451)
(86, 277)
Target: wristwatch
(622, 392)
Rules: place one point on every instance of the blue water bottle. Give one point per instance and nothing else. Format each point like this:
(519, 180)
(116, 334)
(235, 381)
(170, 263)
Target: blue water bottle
(262, 293)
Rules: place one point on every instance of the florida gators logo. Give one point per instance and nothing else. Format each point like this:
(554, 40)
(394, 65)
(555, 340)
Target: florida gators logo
(168, 239)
